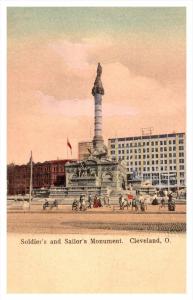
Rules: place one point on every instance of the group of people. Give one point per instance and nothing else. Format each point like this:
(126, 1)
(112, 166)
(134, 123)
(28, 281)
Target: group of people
(90, 202)
(140, 202)
(136, 203)
(98, 201)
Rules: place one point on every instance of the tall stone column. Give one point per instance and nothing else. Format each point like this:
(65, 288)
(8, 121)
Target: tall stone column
(97, 92)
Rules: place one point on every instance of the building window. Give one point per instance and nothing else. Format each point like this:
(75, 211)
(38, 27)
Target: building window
(181, 167)
(181, 141)
(174, 148)
(181, 161)
(181, 147)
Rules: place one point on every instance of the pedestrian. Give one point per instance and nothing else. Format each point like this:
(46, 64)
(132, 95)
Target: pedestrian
(89, 201)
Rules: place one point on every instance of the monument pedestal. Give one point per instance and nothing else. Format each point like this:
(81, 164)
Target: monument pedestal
(95, 176)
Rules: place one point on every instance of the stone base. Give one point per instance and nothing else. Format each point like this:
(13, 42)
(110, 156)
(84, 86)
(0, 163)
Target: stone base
(100, 176)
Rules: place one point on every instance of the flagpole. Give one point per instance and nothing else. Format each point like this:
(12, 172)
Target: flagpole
(30, 187)
(67, 147)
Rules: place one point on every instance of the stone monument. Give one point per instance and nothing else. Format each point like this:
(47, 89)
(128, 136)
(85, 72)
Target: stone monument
(97, 174)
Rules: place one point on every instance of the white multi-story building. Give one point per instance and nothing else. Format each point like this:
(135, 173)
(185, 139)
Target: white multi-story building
(159, 158)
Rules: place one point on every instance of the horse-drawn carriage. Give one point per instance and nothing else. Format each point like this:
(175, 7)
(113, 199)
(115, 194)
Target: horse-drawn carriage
(80, 204)
(50, 205)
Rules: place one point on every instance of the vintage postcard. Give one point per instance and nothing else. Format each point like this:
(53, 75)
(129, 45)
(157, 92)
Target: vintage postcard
(96, 149)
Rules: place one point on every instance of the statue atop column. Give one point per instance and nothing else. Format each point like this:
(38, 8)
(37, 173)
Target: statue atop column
(98, 87)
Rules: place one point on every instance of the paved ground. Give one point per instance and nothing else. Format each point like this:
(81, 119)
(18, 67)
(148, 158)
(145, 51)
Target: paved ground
(103, 220)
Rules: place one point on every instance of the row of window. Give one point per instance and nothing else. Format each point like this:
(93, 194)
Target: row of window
(147, 150)
(131, 157)
(156, 143)
(156, 162)
(158, 175)
(153, 169)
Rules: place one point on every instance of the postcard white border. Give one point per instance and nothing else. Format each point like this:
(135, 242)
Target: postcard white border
(3, 142)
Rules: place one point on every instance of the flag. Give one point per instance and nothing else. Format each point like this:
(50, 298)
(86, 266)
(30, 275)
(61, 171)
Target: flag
(69, 145)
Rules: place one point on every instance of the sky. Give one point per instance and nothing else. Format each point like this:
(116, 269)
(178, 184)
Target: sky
(52, 60)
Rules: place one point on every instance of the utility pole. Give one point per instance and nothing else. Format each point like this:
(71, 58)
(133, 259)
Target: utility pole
(31, 179)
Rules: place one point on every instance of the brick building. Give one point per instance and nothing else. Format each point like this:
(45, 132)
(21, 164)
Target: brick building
(46, 174)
